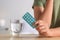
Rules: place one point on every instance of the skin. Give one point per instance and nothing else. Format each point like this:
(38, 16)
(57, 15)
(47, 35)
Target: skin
(43, 18)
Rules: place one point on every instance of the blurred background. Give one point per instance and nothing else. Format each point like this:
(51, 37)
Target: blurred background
(15, 9)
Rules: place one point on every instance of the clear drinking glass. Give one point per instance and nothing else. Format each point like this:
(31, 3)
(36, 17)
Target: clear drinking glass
(15, 27)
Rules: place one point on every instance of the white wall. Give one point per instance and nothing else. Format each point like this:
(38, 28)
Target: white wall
(14, 9)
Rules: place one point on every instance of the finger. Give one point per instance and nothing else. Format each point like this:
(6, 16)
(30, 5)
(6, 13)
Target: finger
(34, 24)
(42, 28)
(38, 22)
(43, 31)
(38, 29)
(39, 25)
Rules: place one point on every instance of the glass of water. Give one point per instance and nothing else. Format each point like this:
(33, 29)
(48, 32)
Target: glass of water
(15, 27)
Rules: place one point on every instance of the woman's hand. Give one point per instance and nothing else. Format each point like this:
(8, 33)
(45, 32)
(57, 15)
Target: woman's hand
(43, 28)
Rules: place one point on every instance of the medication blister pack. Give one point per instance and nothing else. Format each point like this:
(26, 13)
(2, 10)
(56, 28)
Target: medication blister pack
(29, 19)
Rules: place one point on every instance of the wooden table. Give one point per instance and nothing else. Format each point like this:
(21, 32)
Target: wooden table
(26, 37)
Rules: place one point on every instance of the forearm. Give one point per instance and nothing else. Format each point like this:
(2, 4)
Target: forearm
(47, 13)
(38, 12)
(55, 31)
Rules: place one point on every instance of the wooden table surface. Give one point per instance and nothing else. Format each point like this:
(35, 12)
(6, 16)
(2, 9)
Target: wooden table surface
(26, 37)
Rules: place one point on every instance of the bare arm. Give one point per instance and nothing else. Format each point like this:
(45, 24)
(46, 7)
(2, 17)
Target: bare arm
(47, 13)
(46, 16)
(38, 12)
(55, 31)
(44, 13)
